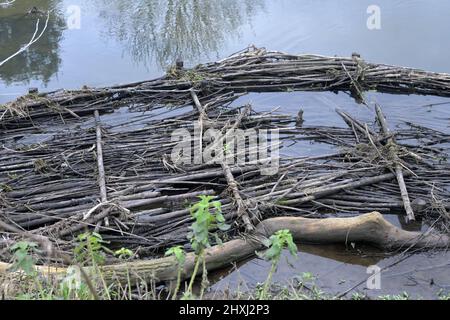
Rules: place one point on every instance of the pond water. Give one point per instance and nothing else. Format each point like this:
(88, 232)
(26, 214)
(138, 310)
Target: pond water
(119, 41)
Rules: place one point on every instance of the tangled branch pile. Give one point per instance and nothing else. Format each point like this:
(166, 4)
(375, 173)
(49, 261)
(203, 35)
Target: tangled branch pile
(64, 168)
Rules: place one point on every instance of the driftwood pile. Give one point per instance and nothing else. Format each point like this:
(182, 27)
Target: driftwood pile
(250, 70)
(99, 159)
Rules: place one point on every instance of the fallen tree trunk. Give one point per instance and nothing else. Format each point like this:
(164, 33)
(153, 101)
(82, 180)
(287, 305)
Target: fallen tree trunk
(369, 228)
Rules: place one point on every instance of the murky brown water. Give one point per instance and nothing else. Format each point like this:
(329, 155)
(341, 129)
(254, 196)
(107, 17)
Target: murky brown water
(124, 41)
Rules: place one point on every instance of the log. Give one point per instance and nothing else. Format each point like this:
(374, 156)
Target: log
(202, 116)
(253, 69)
(370, 228)
(242, 211)
(398, 168)
(101, 168)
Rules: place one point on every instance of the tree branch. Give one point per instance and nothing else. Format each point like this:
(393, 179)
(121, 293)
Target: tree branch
(33, 40)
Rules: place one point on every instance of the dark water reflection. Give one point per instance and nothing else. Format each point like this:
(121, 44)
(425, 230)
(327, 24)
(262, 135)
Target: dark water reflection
(124, 41)
(119, 41)
(41, 61)
(161, 31)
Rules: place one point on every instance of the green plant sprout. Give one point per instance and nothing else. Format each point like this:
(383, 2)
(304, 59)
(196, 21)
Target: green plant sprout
(91, 247)
(277, 242)
(226, 149)
(23, 260)
(180, 256)
(22, 255)
(307, 277)
(123, 253)
(207, 215)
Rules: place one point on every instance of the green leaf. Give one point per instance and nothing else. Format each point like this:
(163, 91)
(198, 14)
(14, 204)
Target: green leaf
(277, 242)
(179, 254)
(23, 259)
(123, 253)
(206, 214)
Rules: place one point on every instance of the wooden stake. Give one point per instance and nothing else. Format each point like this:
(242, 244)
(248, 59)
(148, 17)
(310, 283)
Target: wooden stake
(398, 168)
(101, 168)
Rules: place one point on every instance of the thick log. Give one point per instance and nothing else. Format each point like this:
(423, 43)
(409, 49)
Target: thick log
(369, 228)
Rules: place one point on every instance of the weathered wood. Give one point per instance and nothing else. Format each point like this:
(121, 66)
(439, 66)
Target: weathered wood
(242, 210)
(101, 167)
(397, 165)
(50, 187)
(369, 228)
(250, 70)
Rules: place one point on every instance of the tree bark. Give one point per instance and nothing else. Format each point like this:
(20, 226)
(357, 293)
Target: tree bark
(398, 168)
(369, 228)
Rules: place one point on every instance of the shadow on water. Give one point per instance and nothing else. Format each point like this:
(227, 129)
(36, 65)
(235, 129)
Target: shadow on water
(162, 31)
(41, 61)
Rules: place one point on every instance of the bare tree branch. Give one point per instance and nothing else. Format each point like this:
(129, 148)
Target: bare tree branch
(34, 39)
(7, 3)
